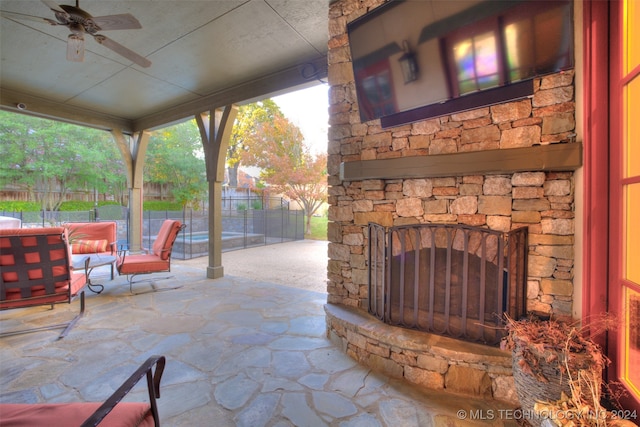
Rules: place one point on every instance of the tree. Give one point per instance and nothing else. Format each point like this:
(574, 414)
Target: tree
(175, 159)
(288, 166)
(247, 130)
(49, 159)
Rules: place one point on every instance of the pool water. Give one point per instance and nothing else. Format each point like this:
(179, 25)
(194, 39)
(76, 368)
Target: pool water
(203, 237)
(197, 244)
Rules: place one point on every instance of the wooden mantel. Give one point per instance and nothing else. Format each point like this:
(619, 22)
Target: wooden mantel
(554, 157)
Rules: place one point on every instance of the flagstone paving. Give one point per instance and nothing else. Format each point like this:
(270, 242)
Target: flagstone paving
(240, 352)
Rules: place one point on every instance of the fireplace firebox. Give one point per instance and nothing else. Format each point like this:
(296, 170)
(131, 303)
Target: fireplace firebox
(448, 279)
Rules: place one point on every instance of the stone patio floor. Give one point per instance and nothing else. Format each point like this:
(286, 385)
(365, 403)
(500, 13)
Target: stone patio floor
(240, 352)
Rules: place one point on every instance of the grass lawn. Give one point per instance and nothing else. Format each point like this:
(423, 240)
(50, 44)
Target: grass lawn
(318, 228)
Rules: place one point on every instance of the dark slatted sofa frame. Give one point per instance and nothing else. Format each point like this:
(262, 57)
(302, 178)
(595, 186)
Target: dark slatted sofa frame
(35, 270)
(111, 413)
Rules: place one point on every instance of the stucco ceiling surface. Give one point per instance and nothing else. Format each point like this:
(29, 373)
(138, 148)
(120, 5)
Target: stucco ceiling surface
(201, 52)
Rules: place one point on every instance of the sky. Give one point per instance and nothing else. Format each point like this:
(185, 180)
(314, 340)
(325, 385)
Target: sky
(309, 110)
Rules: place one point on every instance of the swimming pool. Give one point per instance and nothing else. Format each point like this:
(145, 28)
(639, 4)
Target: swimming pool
(204, 236)
(197, 244)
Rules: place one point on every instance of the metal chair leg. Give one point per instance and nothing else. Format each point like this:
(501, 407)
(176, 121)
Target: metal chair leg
(154, 289)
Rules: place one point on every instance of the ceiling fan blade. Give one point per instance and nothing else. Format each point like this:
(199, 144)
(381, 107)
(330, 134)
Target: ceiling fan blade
(23, 17)
(125, 21)
(121, 50)
(54, 6)
(75, 47)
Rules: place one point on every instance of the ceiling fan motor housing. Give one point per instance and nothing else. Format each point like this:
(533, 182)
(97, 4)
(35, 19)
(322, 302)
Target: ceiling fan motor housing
(76, 17)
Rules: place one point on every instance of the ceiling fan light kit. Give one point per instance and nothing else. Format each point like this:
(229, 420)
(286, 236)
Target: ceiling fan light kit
(75, 47)
(80, 22)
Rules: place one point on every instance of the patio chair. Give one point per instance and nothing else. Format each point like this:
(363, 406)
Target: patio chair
(89, 414)
(93, 238)
(156, 260)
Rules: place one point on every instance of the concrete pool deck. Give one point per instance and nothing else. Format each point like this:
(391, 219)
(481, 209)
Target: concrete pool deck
(300, 264)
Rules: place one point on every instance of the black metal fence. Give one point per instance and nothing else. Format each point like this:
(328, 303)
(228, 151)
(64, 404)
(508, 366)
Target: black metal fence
(243, 225)
(240, 229)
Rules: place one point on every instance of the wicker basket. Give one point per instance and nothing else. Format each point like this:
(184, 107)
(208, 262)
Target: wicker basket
(531, 390)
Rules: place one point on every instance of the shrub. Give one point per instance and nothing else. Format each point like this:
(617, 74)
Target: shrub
(18, 206)
(162, 205)
(78, 205)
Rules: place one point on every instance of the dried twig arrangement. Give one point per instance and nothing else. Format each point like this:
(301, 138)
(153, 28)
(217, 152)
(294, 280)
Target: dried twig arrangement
(566, 347)
(555, 340)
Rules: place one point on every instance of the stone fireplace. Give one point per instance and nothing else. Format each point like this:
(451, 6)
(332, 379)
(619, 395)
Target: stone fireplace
(499, 167)
(447, 279)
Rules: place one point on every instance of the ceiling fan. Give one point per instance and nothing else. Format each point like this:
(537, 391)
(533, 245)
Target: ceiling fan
(81, 23)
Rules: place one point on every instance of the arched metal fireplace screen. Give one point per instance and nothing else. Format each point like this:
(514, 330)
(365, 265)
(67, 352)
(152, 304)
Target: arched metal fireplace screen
(448, 279)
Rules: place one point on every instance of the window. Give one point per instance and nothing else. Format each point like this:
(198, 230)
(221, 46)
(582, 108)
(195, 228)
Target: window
(519, 44)
(624, 169)
(476, 64)
(376, 96)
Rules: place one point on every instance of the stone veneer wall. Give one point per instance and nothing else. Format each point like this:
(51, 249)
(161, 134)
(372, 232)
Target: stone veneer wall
(542, 201)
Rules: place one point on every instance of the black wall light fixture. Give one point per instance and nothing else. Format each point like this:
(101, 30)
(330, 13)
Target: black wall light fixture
(408, 64)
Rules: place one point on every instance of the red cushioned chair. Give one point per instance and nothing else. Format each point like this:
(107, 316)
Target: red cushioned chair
(98, 238)
(35, 269)
(111, 413)
(157, 260)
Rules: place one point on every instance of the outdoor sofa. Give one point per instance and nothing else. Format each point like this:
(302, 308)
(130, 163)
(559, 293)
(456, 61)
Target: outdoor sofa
(36, 270)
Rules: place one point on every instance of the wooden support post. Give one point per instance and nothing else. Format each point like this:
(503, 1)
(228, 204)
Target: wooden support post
(133, 150)
(215, 129)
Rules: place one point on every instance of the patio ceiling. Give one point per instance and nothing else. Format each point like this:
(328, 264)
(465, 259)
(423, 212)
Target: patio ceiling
(204, 54)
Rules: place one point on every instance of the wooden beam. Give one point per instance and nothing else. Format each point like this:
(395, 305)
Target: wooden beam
(251, 91)
(215, 130)
(300, 75)
(554, 157)
(47, 109)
